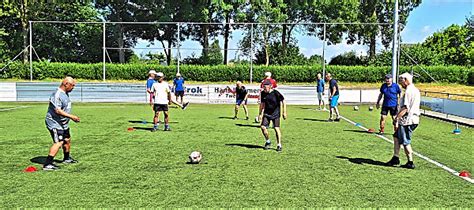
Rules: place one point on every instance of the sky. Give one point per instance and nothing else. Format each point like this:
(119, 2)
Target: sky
(430, 16)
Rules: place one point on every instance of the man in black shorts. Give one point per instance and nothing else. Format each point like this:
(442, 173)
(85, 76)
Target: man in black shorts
(241, 95)
(269, 110)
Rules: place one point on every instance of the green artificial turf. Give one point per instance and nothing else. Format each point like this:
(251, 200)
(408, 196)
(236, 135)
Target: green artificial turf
(322, 164)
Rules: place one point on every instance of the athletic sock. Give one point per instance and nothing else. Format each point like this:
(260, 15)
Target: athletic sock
(155, 126)
(66, 155)
(268, 141)
(167, 126)
(49, 160)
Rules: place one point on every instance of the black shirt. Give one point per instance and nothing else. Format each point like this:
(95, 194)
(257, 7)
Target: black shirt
(241, 93)
(272, 103)
(332, 85)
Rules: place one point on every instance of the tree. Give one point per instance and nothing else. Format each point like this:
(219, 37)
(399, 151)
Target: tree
(416, 52)
(453, 44)
(293, 55)
(348, 59)
(263, 12)
(214, 55)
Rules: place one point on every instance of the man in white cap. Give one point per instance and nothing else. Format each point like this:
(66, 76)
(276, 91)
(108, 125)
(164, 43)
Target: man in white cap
(178, 85)
(149, 83)
(406, 121)
(162, 97)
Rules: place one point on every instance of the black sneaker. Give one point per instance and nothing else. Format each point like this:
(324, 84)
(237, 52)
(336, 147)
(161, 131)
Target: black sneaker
(279, 149)
(337, 119)
(267, 145)
(50, 167)
(185, 105)
(393, 161)
(235, 118)
(409, 165)
(247, 118)
(167, 128)
(330, 120)
(70, 160)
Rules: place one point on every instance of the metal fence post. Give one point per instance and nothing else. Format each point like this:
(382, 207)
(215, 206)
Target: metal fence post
(31, 49)
(179, 43)
(251, 52)
(324, 49)
(103, 51)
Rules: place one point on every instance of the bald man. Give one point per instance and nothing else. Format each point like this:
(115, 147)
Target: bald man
(241, 95)
(57, 122)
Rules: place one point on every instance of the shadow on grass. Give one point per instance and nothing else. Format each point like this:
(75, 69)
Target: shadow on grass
(249, 146)
(246, 125)
(42, 159)
(143, 128)
(362, 161)
(356, 131)
(227, 118)
(311, 119)
(146, 122)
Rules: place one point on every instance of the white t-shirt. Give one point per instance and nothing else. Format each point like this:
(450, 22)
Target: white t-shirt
(161, 91)
(411, 99)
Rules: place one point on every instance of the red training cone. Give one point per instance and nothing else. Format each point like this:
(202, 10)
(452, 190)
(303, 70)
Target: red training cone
(131, 129)
(371, 130)
(465, 174)
(30, 169)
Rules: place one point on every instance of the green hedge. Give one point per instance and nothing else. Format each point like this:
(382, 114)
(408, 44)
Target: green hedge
(455, 74)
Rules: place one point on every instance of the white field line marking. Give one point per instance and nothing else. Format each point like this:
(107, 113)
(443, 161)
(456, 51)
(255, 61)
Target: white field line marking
(452, 171)
(13, 108)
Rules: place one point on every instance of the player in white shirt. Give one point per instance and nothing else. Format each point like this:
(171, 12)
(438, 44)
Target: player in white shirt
(406, 121)
(162, 97)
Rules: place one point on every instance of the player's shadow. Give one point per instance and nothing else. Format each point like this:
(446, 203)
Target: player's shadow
(143, 128)
(42, 160)
(356, 131)
(249, 146)
(362, 161)
(147, 122)
(246, 125)
(312, 119)
(226, 118)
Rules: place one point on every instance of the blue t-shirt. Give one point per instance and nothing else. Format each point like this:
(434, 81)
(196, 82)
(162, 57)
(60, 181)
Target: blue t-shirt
(320, 87)
(149, 83)
(390, 94)
(179, 84)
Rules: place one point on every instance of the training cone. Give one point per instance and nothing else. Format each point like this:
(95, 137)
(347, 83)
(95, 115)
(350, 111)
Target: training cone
(357, 124)
(457, 130)
(465, 174)
(30, 169)
(131, 129)
(371, 130)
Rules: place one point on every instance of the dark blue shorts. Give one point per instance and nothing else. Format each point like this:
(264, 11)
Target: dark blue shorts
(240, 101)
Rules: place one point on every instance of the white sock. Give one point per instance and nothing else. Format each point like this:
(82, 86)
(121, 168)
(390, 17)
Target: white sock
(268, 141)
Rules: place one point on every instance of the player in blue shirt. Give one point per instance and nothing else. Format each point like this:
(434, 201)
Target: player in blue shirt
(320, 91)
(178, 84)
(391, 93)
(149, 84)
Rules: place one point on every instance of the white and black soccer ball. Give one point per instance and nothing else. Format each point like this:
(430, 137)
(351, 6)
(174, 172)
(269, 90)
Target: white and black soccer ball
(356, 108)
(195, 157)
(371, 108)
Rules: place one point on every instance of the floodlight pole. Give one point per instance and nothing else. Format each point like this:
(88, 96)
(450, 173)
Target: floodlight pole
(179, 43)
(324, 49)
(251, 51)
(31, 50)
(103, 51)
(394, 43)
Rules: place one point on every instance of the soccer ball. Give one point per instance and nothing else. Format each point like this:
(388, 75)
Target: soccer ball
(195, 157)
(256, 119)
(356, 108)
(371, 108)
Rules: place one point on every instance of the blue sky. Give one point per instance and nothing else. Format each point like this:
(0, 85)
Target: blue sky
(429, 17)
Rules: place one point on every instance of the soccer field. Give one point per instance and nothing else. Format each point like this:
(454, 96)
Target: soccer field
(323, 164)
